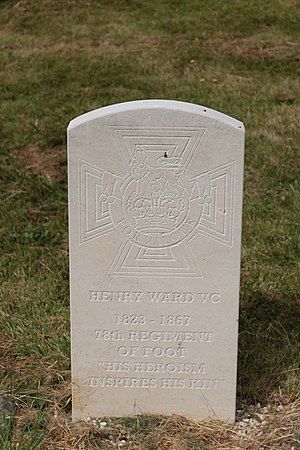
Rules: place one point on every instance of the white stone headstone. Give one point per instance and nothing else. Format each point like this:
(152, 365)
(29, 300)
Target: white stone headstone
(155, 207)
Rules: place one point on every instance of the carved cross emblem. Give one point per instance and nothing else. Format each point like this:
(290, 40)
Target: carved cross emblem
(155, 209)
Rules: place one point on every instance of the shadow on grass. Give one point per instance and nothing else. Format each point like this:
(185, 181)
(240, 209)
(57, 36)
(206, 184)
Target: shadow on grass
(268, 348)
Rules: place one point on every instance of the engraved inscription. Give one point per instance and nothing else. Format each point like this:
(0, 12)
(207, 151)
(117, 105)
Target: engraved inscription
(171, 297)
(152, 383)
(154, 336)
(158, 352)
(153, 297)
(117, 382)
(169, 336)
(131, 319)
(150, 367)
(115, 296)
(214, 297)
(174, 320)
(167, 341)
(205, 383)
(169, 367)
(109, 335)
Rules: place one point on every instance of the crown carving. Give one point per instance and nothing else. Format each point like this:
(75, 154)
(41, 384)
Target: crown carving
(158, 208)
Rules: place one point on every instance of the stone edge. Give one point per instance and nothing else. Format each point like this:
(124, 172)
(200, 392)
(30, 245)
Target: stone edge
(158, 104)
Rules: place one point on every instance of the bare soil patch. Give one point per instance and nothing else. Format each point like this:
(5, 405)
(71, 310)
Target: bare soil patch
(46, 163)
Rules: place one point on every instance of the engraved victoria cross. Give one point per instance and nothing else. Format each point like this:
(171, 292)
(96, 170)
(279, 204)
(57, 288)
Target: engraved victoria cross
(155, 209)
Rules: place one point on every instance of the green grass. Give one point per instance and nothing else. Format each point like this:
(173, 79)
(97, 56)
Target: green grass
(60, 59)
(30, 433)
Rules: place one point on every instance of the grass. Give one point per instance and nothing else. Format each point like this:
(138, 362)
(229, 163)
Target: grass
(60, 59)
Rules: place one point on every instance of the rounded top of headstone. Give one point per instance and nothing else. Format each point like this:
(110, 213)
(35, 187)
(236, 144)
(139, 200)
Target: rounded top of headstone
(156, 104)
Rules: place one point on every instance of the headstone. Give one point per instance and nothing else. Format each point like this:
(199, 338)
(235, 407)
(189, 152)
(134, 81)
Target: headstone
(155, 207)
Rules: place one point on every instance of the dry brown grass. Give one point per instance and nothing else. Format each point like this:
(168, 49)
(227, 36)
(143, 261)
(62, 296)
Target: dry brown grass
(255, 47)
(283, 126)
(108, 46)
(280, 431)
(46, 163)
(6, 353)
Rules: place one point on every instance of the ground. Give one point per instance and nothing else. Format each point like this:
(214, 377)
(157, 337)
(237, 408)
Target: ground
(61, 58)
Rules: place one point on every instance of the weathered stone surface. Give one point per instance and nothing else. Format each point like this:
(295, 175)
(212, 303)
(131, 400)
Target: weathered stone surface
(7, 408)
(155, 206)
